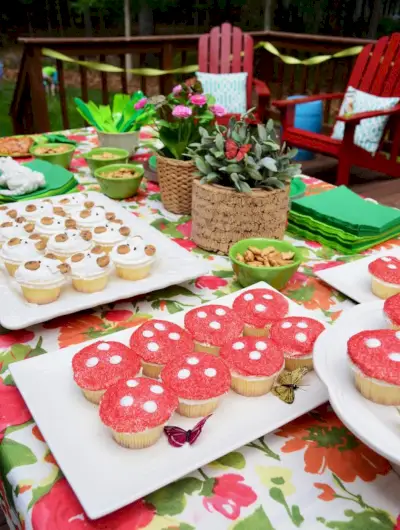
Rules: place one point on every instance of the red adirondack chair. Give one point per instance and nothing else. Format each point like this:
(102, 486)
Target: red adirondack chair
(227, 50)
(377, 71)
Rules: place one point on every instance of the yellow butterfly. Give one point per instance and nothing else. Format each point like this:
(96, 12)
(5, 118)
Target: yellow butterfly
(287, 383)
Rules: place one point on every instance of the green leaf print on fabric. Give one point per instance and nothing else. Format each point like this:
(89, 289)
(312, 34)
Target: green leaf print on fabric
(234, 459)
(303, 294)
(14, 454)
(207, 489)
(39, 492)
(294, 512)
(18, 352)
(256, 521)
(223, 274)
(9, 381)
(171, 500)
(170, 292)
(366, 520)
(262, 446)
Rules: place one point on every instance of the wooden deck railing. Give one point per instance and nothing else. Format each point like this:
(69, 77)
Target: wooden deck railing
(29, 110)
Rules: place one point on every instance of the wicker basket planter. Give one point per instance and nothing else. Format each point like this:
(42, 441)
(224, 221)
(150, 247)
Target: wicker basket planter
(221, 216)
(176, 178)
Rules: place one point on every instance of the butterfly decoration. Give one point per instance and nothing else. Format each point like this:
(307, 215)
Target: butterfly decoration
(287, 383)
(234, 152)
(177, 437)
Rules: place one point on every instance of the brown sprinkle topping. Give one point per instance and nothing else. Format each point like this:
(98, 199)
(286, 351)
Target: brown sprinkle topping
(47, 221)
(150, 250)
(88, 204)
(50, 255)
(35, 236)
(86, 235)
(77, 257)
(20, 219)
(97, 249)
(65, 268)
(103, 261)
(59, 211)
(266, 257)
(31, 208)
(123, 249)
(117, 221)
(100, 230)
(61, 238)
(40, 245)
(12, 213)
(30, 227)
(7, 224)
(110, 216)
(14, 241)
(124, 230)
(85, 214)
(32, 265)
(70, 223)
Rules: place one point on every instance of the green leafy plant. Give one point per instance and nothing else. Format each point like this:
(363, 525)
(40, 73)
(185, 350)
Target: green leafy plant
(127, 114)
(243, 155)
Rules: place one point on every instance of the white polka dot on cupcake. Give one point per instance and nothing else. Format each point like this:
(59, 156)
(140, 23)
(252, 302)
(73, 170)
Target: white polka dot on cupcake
(126, 401)
(148, 334)
(397, 334)
(302, 325)
(115, 359)
(260, 308)
(150, 406)
(202, 314)
(391, 266)
(92, 362)
(132, 383)
(254, 355)
(156, 389)
(261, 345)
(267, 297)
(103, 346)
(174, 336)
(159, 326)
(210, 372)
(301, 337)
(220, 312)
(248, 297)
(386, 259)
(193, 361)
(184, 373)
(394, 357)
(153, 346)
(286, 325)
(238, 345)
(373, 343)
(215, 325)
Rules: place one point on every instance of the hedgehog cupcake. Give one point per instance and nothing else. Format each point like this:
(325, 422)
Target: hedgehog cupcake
(51, 225)
(18, 250)
(69, 242)
(90, 270)
(110, 234)
(133, 259)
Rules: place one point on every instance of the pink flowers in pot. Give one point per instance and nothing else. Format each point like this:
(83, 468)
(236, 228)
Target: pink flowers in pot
(198, 99)
(182, 111)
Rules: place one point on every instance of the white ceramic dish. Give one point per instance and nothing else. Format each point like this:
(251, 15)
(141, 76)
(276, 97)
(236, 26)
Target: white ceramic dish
(105, 476)
(353, 279)
(376, 425)
(174, 265)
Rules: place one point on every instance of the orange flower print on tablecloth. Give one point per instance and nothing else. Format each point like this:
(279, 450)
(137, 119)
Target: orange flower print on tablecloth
(310, 292)
(329, 445)
(327, 493)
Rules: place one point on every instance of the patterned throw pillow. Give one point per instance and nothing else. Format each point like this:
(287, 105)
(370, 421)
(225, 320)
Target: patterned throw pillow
(368, 133)
(229, 90)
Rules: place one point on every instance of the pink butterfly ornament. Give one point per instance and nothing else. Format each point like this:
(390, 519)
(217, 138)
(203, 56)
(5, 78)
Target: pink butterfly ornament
(177, 437)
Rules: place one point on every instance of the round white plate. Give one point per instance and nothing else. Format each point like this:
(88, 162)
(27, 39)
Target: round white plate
(376, 425)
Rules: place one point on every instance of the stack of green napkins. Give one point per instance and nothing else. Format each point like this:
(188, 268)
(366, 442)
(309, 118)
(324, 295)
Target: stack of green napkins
(343, 220)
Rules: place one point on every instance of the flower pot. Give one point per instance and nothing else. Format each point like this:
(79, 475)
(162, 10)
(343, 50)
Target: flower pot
(176, 178)
(128, 141)
(222, 216)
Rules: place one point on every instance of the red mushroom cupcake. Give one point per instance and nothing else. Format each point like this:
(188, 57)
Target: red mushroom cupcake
(136, 410)
(391, 310)
(157, 342)
(385, 273)
(100, 365)
(212, 326)
(375, 361)
(259, 308)
(296, 337)
(199, 380)
(254, 362)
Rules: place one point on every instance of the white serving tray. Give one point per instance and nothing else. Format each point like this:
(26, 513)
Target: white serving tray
(174, 265)
(105, 476)
(353, 278)
(376, 425)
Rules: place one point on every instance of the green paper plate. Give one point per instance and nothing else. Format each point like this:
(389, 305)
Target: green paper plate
(153, 163)
(297, 188)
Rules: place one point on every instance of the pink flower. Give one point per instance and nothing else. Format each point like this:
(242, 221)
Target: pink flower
(118, 315)
(181, 111)
(397, 527)
(210, 282)
(218, 110)
(326, 265)
(198, 99)
(16, 337)
(185, 228)
(140, 104)
(13, 408)
(177, 90)
(229, 496)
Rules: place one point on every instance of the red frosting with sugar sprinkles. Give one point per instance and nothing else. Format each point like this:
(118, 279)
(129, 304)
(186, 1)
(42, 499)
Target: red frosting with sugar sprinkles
(136, 404)
(391, 308)
(261, 307)
(386, 269)
(296, 335)
(213, 324)
(377, 354)
(253, 356)
(159, 341)
(101, 364)
(197, 376)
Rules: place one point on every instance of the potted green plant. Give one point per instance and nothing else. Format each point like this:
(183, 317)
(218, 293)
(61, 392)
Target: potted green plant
(118, 125)
(244, 184)
(180, 115)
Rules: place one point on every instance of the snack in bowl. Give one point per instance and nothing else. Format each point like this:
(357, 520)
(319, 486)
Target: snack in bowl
(391, 310)
(120, 181)
(254, 362)
(374, 357)
(16, 228)
(266, 257)
(385, 274)
(102, 156)
(51, 225)
(212, 326)
(136, 410)
(89, 218)
(110, 234)
(259, 309)
(18, 250)
(41, 280)
(48, 150)
(98, 366)
(69, 242)
(56, 153)
(90, 271)
(158, 342)
(133, 259)
(199, 380)
(296, 336)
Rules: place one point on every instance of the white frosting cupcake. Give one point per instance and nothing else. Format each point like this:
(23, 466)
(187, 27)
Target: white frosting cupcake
(72, 203)
(133, 258)
(41, 280)
(90, 270)
(64, 244)
(52, 225)
(7, 214)
(35, 211)
(10, 229)
(16, 251)
(90, 218)
(110, 234)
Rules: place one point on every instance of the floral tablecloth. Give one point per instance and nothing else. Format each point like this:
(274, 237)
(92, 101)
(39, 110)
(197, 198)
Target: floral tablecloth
(312, 473)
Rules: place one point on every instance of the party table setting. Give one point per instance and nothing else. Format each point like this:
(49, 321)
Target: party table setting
(310, 451)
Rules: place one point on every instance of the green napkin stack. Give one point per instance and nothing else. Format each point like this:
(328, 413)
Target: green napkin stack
(343, 220)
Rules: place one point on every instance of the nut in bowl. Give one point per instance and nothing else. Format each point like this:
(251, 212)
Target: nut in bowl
(268, 260)
(105, 156)
(120, 181)
(54, 153)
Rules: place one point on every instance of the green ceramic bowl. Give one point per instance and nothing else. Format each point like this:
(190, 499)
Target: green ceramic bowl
(275, 276)
(119, 188)
(61, 159)
(120, 157)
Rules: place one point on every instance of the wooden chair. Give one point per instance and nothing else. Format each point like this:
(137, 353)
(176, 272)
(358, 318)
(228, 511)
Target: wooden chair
(376, 71)
(227, 49)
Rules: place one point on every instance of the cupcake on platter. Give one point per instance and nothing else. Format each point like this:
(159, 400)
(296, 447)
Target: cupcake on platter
(17, 228)
(254, 362)
(98, 366)
(212, 326)
(90, 270)
(35, 211)
(69, 242)
(41, 280)
(374, 357)
(391, 310)
(199, 380)
(18, 250)
(73, 203)
(385, 274)
(110, 234)
(158, 342)
(136, 410)
(90, 218)
(296, 337)
(259, 309)
(7, 214)
(133, 259)
(52, 225)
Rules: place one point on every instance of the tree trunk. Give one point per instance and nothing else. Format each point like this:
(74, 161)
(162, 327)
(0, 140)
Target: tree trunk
(146, 22)
(268, 15)
(375, 18)
(128, 32)
(88, 22)
(59, 17)
(48, 17)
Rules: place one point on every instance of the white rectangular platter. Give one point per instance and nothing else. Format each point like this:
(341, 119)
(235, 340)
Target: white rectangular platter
(87, 454)
(174, 265)
(353, 279)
